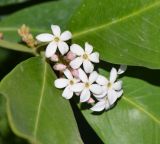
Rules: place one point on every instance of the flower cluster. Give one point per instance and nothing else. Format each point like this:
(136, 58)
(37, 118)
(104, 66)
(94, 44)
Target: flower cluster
(77, 75)
(26, 36)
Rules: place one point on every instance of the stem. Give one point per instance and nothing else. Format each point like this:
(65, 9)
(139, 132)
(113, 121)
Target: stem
(16, 47)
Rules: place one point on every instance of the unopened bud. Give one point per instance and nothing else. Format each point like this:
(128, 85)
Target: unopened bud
(26, 36)
(59, 67)
(54, 58)
(91, 100)
(122, 69)
(70, 55)
(77, 94)
(23, 30)
(75, 73)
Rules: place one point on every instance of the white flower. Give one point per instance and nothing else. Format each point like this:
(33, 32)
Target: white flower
(101, 105)
(111, 88)
(87, 85)
(66, 83)
(84, 56)
(55, 40)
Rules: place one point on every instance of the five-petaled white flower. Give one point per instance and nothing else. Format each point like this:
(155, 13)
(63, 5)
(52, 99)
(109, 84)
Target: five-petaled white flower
(87, 85)
(55, 40)
(112, 90)
(66, 83)
(101, 105)
(84, 56)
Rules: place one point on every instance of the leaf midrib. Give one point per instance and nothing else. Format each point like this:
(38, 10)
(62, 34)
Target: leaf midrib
(144, 9)
(40, 102)
(139, 107)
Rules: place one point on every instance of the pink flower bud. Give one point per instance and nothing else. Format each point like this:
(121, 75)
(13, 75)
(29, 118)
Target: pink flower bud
(54, 58)
(91, 100)
(70, 55)
(77, 94)
(75, 73)
(59, 67)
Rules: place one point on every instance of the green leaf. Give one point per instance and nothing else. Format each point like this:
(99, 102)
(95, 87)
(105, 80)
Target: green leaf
(15, 46)
(3, 119)
(55, 12)
(124, 32)
(135, 117)
(7, 2)
(35, 108)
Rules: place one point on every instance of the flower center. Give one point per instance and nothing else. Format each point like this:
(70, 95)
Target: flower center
(109, 85)
(85, 56)
(87, 85)
(56, 39)
(71, 82)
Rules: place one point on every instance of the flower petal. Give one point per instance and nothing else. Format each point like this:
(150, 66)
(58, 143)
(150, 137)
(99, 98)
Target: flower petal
(117, 85)
(107, 105)
(56, 30)
(99, 106)
(102, 80)
(61, 83)
(96, 89)
(122, 69)
(93, 77)
(85, 95)
(76, 63)
(67, 93)
(82, 75)
(88, 48)
(94, 57)
(113, 75)
(77, 49)
(104, 93)
(78, 87)
(68, 74)
(119, 93)
(66, 36)
(63, 47)
(88, 66)
(45, 37)
(51, 49)
(112, 97)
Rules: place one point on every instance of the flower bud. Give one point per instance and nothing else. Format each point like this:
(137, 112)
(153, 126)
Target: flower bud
(77, 93)
(91, 100)
(75, 73)
(54, 58)
(122, 69)
(59, 67)
(70, 55)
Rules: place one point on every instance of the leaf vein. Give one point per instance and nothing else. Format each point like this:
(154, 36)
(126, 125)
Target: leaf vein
(144, 9)
(40, 102)
(149, 114)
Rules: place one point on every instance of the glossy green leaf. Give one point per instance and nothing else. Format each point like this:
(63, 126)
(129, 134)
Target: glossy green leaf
(7, 2)
(124, 32)
(39, 18)
(35, 108)
(3, 119)
(134, 119)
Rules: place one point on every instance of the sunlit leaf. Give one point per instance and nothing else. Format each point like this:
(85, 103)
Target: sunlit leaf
(124, 32)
